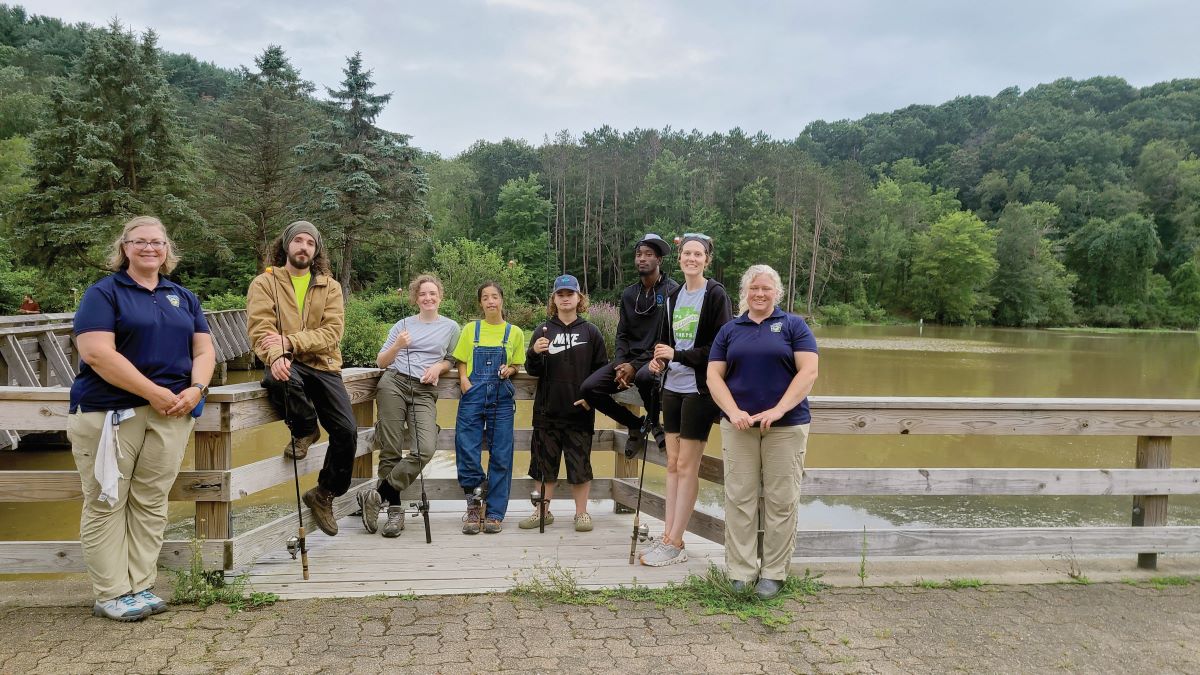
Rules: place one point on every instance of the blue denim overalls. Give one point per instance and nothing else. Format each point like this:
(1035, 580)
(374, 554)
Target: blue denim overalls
(487, 407)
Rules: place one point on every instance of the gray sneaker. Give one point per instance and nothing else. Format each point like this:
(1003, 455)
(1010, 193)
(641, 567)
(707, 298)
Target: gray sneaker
(665, 554)
(124, 608)
(154, 604)
(370, 503)
(651, 544)
(395, 522)
(768, 588)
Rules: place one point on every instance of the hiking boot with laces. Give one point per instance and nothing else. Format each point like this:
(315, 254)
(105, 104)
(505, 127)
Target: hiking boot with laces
(395, 522)
(493, 526)
(320, 501)
(369, 506)
(665, 554)
(471, 519)
(531, 523)
(155, 604)
(301, 444)
(124, 608)
(583, 522)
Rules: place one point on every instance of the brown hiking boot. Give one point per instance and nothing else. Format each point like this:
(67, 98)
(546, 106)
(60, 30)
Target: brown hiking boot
(320, 501)
(301, 445)
(493, 526)
(472, 519)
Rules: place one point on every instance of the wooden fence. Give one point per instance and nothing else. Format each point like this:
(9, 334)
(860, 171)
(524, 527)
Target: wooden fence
(38, 350)
(217, 481)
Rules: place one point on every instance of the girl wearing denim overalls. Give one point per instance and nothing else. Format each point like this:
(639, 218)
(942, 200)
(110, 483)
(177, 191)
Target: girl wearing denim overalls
(488, 354)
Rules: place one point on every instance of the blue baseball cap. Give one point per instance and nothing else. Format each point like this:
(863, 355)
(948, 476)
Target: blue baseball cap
(566, 282)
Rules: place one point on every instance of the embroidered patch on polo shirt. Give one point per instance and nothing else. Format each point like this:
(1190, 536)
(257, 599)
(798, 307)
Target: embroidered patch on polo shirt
(173, 299)
(777, 327)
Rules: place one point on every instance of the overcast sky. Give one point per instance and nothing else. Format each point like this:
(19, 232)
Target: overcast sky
(462, 70)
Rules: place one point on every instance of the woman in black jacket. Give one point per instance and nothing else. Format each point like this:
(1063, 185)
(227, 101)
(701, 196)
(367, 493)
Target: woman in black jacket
(697, 310)
(563, 352)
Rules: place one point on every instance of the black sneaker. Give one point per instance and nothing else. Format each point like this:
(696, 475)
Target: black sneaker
(660, 437)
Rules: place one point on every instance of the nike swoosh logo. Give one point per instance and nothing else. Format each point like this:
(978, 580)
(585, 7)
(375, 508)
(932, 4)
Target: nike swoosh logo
(558, 349)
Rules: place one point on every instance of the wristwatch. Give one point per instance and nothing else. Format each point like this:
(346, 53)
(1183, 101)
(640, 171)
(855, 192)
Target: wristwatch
(202, 387)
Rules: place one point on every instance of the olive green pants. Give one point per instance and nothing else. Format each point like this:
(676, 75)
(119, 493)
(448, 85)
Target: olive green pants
(767, 464)
(121, 543)
(394, 396)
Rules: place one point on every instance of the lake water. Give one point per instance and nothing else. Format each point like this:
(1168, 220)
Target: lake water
(855, 361)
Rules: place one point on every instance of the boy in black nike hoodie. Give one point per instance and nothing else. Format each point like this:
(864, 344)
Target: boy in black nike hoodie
(562, 352)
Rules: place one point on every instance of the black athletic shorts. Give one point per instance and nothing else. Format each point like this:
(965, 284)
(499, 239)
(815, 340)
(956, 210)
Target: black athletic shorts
(689, 415)
(549, 446)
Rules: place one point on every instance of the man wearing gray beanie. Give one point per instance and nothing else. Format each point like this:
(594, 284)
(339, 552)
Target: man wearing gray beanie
(296, 319)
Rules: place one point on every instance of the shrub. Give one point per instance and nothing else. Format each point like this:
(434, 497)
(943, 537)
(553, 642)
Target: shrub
(525, 316)
(364, 334)
(605, 315)
(228, 300)
(840, 314)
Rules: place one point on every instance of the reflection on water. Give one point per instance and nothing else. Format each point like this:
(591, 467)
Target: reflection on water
(855, 361)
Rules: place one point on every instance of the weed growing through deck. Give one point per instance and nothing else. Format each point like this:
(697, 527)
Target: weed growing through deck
(711, 593)
(862, 560)
(195, 585)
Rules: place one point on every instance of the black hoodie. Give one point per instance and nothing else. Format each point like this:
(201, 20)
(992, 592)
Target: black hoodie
(641, 320)
(715, 311)
(576, 351)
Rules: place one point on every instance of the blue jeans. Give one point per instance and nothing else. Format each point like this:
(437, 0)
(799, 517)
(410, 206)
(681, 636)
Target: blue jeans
(486, 410)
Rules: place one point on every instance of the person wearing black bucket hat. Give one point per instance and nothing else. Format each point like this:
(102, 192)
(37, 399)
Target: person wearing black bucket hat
(643, 306)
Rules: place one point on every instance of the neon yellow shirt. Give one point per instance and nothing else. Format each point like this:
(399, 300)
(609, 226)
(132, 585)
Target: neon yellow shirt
(300, 286)
(490, 335)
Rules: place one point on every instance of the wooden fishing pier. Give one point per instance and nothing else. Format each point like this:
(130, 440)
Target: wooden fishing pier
(354, 563)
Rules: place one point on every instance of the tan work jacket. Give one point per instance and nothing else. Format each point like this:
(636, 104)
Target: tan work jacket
(315, 336)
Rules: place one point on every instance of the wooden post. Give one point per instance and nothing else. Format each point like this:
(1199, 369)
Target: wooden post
(214, 450)
(623, 467)
(1153, 452)
(364, 415)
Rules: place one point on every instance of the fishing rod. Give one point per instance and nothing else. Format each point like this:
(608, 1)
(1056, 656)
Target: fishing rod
(539, 499)
(653, 408)
(300, 537)
(423, 505)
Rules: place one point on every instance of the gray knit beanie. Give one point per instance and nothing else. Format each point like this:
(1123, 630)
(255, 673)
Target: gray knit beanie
(306, 227)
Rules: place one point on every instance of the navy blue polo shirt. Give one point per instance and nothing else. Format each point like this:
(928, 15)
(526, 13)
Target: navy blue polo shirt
(760, 361)
(151, 328)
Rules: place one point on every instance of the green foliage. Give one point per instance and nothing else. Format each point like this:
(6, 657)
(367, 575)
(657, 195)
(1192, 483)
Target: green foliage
(710, 593)
(606, 316)
(110, 151)
(463, 265)
(953, 265)
(224, 301)
(195, 585)
(953, 584)
(364, 335)
(1032, 287)
(521, 229)
(369, 188)
(1114, 259)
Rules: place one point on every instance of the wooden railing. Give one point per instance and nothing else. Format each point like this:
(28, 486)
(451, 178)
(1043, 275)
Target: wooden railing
(216, 481)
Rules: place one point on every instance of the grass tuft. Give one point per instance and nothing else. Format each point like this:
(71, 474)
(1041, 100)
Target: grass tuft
(709, 593)
(195, 585)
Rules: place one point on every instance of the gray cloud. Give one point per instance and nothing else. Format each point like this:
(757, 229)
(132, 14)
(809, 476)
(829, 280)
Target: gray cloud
(462, 70)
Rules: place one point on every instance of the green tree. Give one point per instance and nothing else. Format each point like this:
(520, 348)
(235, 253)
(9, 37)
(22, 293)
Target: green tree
(1114, 259)
(664, 195)
(521, 229)
(761, 234)
(372, 192)
(464, 264)
(110, 152)
(256, 185)
(954, 263)
(1031, 286)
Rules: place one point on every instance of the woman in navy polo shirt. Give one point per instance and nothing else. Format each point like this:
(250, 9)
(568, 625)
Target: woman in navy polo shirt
(760, 370)
(146, 361)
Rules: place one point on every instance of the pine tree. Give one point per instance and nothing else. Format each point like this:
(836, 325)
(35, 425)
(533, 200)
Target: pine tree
(111, 152)
(370, 189)
(257, 185)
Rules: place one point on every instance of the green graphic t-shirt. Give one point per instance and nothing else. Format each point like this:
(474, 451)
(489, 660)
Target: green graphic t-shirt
(685, 317)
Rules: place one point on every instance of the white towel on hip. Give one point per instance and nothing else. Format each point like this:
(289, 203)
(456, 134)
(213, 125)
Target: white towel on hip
(108, 475)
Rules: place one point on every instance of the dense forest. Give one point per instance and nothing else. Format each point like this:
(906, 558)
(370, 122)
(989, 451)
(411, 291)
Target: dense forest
(1075, 202)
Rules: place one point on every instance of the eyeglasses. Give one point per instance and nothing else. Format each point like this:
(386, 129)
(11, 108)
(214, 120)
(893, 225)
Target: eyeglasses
(139, 244)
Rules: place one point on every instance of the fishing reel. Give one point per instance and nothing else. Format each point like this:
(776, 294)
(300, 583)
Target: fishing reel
(643, 532)
(536, 497)
(293, 546)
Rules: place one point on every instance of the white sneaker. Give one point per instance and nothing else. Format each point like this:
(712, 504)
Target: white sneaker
(154, 604)
(665, 554)
(124, 608)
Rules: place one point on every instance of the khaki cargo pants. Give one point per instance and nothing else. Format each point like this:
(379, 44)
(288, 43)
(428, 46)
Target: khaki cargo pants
(767, 464)
(393, 397)
(121, 544)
